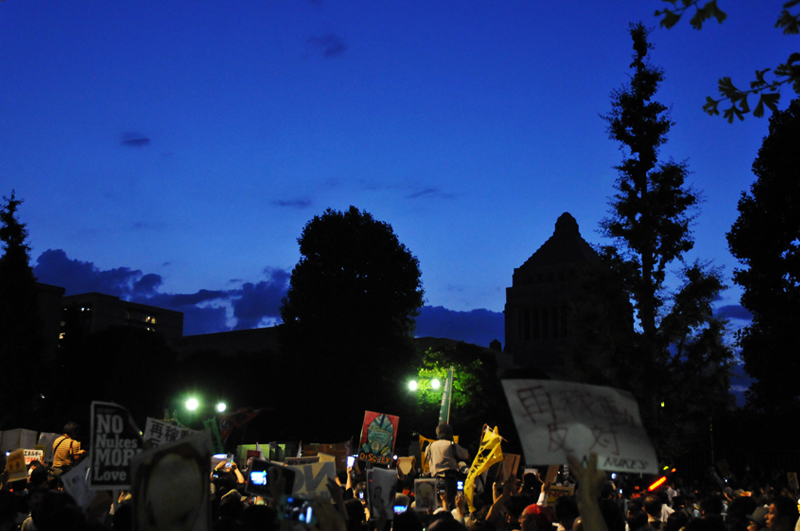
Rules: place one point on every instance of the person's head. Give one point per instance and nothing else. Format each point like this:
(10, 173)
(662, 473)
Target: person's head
(637, 519)
(782, 515)
(71, 429)
(652, 506)
(537, 518)
(444, 431)
(566, 511)
(711, 504)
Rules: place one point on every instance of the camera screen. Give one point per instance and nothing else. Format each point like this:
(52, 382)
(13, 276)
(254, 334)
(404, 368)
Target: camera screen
(258, 477)
(460, 485)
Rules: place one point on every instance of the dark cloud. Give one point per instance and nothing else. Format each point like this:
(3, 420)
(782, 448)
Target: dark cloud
(54, 267)
(204, 312)
(292, 203)
(479, 327)
(429, 192)
(734, 311)
(134, 140)
(329, 45)
(261, 300)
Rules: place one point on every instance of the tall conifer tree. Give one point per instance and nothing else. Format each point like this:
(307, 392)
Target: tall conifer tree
(677, 361)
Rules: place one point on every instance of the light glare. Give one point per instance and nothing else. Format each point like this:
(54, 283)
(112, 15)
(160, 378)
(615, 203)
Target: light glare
(221, 407)
(435, 383)
(192, 404)
(412, 385)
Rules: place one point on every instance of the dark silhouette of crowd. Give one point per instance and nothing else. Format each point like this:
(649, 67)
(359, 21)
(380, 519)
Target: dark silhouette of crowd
(579, 498)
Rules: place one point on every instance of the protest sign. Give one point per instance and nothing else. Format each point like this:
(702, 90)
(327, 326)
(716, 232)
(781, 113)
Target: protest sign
(216, 441)
(15, 465)
(33, 455)
(792, 477)
(46, 441)
(425, 493)
(158, 432)
(115, 439)
(171, 484)
(11, 440)
(296, 461)
(509, 466)
(488, 454)
(556, 492)
(382, 484)
(339, 450)
(311, 479)
(555, 419)
(406, 464)
(378, 434)
(77, 486)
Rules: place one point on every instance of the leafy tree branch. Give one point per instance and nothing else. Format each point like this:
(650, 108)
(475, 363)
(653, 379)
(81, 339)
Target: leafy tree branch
(767, 89)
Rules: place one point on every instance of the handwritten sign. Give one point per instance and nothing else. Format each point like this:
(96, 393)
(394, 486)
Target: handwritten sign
(555, 419)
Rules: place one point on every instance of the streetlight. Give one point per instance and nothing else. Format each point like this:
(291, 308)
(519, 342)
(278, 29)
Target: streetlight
(192, 404)
(221, 407)
(412, 385)
(435, 383)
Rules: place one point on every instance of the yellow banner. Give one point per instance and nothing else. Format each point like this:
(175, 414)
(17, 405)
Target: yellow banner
(489, 453)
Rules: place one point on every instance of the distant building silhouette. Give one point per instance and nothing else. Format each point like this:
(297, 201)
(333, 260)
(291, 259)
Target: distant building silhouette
(99, 312)
(537, 311)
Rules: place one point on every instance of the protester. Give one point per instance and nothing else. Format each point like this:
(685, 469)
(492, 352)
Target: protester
(443, 456)
(66, 450)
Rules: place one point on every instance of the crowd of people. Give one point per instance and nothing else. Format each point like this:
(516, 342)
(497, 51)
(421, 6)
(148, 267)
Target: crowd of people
(521, 502)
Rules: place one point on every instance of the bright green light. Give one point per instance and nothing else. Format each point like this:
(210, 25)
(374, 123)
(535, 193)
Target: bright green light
(221, 407)
(662, 404)
(192, 404)
(412, 385)
(435, 383)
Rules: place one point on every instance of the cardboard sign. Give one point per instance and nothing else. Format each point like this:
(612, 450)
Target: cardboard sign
(406, 464)
(311, 479)
(555, 419)
(378, 434)
(115, 441)
(382, 484)
(339, 450)
(15, 465)
(426, 494)
(298, 461)
(171, 485)
(158, 432)
(509, 466)
(33, 455)
(556, 492)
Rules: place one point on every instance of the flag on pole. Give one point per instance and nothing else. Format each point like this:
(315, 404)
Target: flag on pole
(489, 453)
(447, 395)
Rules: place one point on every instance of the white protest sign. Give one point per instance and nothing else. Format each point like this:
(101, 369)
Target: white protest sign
(158, 432)
(33, 455)
(311, 480)
(555, 419)
(77, 485)
(115, 440)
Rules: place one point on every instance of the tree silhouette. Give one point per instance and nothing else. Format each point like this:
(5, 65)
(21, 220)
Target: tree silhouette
(766, 240)
(21, 342)
(349, 313)
(677, 357)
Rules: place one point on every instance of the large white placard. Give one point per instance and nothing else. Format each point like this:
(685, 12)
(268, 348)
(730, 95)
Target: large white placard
(556, 418)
